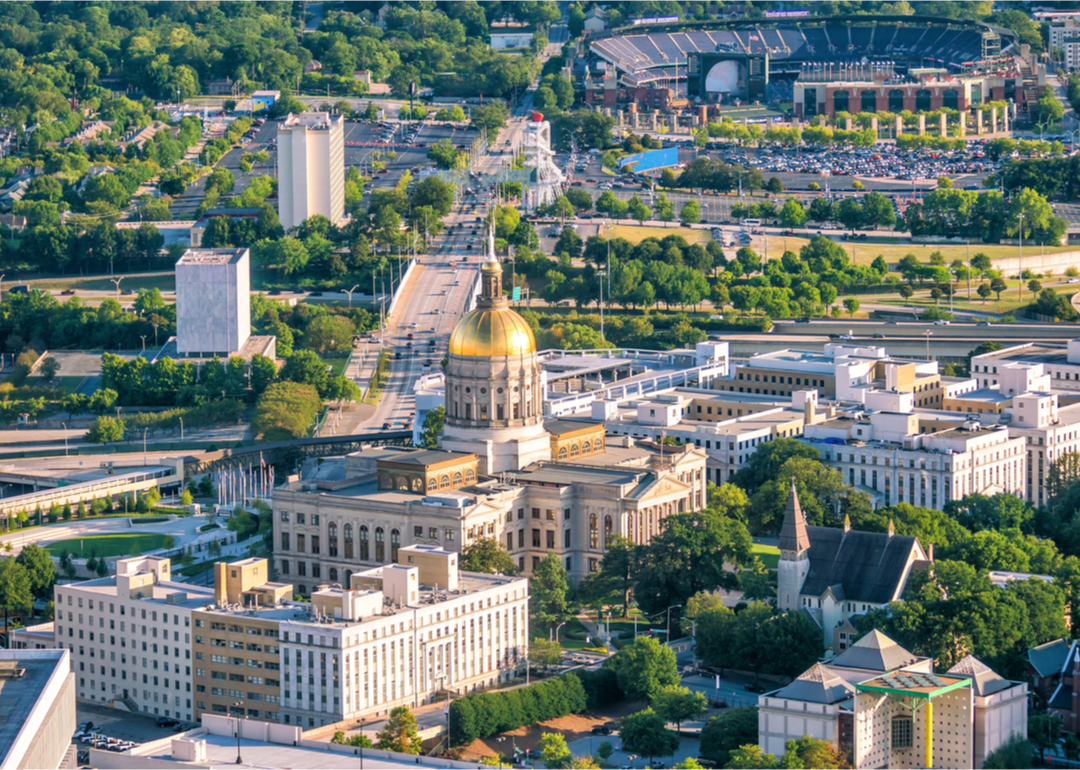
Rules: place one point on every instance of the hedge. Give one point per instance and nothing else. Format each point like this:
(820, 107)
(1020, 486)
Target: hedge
(483, 714)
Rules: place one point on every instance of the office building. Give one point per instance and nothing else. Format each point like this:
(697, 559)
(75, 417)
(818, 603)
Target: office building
(130, 637)
(400, 634)
(213, 302)
(882, 706)
(311, 168)
(37, 719)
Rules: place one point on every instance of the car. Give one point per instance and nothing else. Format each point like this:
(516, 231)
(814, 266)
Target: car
(941, 322)
(274, 292)
(432, 343)
(1073, 280)
(167, 722)
(386, 426)
(983, 323)
(128, 291)
(613, 725)
(397, 355)
(706, 762)
(427, 362)
(601, 730)
(67, 292)
(408, 344)
(314, 293)
(409, 336)
(879, 336)
(755, 688)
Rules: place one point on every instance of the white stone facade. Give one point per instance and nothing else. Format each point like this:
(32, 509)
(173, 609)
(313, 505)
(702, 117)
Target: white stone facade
(213, 302)
(311, 168)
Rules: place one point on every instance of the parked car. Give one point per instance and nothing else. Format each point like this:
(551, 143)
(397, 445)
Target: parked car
(755, 688)
(601, 730)
(167, 722)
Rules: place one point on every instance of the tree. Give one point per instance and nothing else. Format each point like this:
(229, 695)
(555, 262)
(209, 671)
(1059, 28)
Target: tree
(646, 733)
(400, 732)
(49, 369)
(544, 653)
(751, 756)
(434, 421)
(286, 410)
(1034, 285)
(40, 570)
(329, 334)
(548, 588)
(16, 594)
(644, 668)
(639, 210)
(725, 733)
(553, 750)
(984, 291)
(792, 214)
(1016, 752)
(105, 429)
(755, 581)
(443, 153)
(812, 752)
(775, 186)
(997, 285)
(851, 304)
(487, 555)
(690, 213)
(678, 704)
(264, 373)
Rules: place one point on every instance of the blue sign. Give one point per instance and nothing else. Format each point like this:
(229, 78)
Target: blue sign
(644, 161)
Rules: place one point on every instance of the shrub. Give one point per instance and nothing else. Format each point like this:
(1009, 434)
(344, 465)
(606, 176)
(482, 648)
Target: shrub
(483, 714)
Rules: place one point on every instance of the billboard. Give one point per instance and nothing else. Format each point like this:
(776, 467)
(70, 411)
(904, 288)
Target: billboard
(644, 161)
(654, 20)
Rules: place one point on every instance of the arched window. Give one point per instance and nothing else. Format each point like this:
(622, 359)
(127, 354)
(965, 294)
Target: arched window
(403, 483)
(922, 100)
(869, 101)
(395, 543)
(608, 524)
(348, 541)
(457, 478)
(380, 544)
(575, 449)
(331, 531)
(896, 100)
(470, 475)
(333, 574)
(365, 554)
(444, 481)
(598, 445)
(385, 481)
(594, 532)
(562, 453)
(950, 100)
(840, 101)
(586, 447)
(417, 484)
(432, 484)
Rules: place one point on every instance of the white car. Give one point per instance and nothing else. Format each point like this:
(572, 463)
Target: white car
(941, 323)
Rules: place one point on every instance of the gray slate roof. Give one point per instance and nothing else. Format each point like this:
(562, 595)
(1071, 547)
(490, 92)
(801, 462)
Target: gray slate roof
(874, 652)
(817, 685)
(984, 680)
(859, 566)
(1048, 659)
(793, 530)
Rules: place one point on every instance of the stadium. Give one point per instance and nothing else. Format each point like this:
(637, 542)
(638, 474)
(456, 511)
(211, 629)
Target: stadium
(772, 61)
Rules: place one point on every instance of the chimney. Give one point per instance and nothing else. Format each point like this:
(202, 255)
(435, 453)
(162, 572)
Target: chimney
(847, 523)
(892, 527)
(930, 552)
(809, 412)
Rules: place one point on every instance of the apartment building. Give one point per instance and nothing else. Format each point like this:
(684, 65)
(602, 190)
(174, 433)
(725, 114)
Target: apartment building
(311, 168)
(130, 637)
(1061, 361)
(398, 634)
(885, 454)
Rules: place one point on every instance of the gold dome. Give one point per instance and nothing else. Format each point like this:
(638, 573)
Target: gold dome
(492, 333)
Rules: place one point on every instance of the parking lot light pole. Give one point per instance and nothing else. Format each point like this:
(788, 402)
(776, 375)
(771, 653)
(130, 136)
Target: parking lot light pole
(1020, 254)
(927, 334)
(556, 634)
(238, 705)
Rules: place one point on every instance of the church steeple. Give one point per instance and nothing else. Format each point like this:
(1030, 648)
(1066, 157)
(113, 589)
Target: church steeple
(793, 535)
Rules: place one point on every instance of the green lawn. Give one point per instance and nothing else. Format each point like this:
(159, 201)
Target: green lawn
(108, 545)
(769, 554)
(66, 384)
(337, 365)
(163, 282)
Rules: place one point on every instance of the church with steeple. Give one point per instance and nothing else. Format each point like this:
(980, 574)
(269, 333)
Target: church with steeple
(835, 573)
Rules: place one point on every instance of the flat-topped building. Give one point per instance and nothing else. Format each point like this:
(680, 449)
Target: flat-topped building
(213, 302)
(311, 168)
(37, 689)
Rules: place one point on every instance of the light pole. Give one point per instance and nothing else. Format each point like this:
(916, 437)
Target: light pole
(2, 284)
(237, 705)
(350, 293)
(927, 333)
(117, 282)
(181, 428)
(669, 609)
(1020, 254)
(143, 338)
(64, 426)
(556, 634)
(144, 445)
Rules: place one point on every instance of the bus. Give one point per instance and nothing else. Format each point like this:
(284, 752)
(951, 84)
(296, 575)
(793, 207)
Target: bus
(751, 223)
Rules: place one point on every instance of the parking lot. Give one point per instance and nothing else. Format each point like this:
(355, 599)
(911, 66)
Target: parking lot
(122, 726)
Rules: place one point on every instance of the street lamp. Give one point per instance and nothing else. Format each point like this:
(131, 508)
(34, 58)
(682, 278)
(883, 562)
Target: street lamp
(557, 631)
(1020, 254)
(669, 609)
(928, 333)
(181, 428)
(350, 293)
(117, 282)
(237, 705)
(64, 426)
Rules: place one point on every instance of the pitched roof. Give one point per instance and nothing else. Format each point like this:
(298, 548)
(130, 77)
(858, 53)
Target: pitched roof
(1048, 659)
(874, 652)
(984, 680)
(793, 531)
(1062, 697)
(817, 685)
(871, 566)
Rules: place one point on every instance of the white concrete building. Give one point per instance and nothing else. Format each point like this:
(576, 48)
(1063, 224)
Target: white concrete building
(37, 718)
(130, 636)
(311, 168)
(886, 455)
(1061, 361)
(213, 302)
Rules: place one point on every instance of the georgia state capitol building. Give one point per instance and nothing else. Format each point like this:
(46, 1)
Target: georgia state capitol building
(501, 471)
